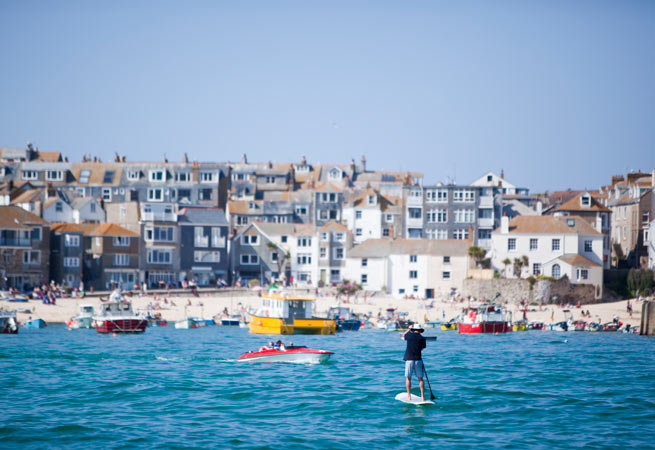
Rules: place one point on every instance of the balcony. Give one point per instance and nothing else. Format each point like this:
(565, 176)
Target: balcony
(486, 201)
(15, 242)
(486, 223)
(159, 217)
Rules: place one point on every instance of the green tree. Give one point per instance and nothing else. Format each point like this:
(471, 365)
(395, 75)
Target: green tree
(640, 282)
(478, 254)
(506, 262)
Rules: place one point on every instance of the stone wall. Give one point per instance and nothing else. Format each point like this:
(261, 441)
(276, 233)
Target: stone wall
(543, 291)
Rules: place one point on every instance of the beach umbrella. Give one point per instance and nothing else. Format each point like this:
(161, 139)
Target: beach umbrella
(272, 287)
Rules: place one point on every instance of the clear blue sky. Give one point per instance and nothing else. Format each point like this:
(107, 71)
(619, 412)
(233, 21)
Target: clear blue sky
(559, 93)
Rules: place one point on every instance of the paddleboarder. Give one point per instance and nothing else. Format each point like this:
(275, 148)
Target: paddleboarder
(413, 360)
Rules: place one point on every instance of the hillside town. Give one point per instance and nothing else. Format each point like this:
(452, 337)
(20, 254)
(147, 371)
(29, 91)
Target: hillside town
(94, 226)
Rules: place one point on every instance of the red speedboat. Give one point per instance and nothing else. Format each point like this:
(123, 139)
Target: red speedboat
(485, 319)
(294, 354)
(116, 316)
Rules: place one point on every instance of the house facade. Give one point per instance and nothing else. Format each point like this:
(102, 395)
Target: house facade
(203, 245)
(554, 246)
(24, 249)
(160, 245)
(66, 254)
(111, 257)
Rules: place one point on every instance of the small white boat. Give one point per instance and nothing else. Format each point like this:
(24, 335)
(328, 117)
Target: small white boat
(186, 324)
(8, 322)
(84, 319)
(295, 354)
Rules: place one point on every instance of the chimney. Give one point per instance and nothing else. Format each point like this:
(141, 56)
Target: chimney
(303, 161)
(540, 208)
(244, 159)
(652, 179)
(363, 163)
(502, 173)
(504, 225)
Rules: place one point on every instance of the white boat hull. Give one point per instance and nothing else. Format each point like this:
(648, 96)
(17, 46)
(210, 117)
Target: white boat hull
(298, 358)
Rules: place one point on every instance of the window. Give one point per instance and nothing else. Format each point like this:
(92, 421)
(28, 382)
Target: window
(304, 242)
(250, 239)
(283, 239)
(199, 238)
(54, 175)
(121, 259)
(430, 195)
(164, 234)
(31, 257)
(464, 215)
(338, 253)
(59, 207)
(334, 174)
(183, 177)
(364, 278)
(339, 237)
(462, 233)
(358, 231)
(155, 194)
(536, 269)
(463, 195)
(109, 177)
(7, 258)
(442, 196)
(301, 210)
(156, 256)
(441, 216)
(441, 234)
(183, 194)
(249, 259)
(133, 175)
(533, 244)
(358, 214)
(582, 274)
(71, 262)
(415, 213)
(555, 271)
(511, 244)
(388, 218)
(303, 259)
(416, 194)
(207, 177)
(415, 288)
(385, 232)
(413, 274)
(446, 259)
(323, 253)
(587, 246)
(30, 174)
(585, 200)
(371, 199)
(324, 236)
(36, 234)
(208, 256)
(106, 194)
(555, 245)
(157, 176)
(644, 218)
(274, 256)
(445, 275)
(217, 240)
(121, 241)
(364, 262)
(72, 240)
(205, 194)
(412, 258)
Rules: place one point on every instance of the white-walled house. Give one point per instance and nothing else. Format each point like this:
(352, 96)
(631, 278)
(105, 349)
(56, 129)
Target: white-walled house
(554, 245)
(365, 216)
(87, 210)
(420, 268)
(650, 238)
(55, 209)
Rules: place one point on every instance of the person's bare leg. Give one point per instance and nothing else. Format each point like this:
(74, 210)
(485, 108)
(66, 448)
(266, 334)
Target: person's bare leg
(421, 385)
(408, 384)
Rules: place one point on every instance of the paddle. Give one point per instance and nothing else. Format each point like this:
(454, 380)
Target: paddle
(432, 397)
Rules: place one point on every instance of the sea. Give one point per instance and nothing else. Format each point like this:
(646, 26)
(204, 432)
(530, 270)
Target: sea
(185, 389)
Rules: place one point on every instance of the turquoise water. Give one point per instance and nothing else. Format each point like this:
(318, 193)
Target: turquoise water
(180, 389)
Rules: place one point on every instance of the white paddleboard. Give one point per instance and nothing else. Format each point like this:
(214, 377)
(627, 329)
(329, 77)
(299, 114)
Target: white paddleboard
(416, 400)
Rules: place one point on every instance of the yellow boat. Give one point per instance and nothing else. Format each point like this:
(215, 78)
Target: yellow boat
(519, 325)
(449, 326)
(288, 314)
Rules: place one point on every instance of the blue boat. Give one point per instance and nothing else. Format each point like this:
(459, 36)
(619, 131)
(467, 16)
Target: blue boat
(346, 320)
(35, 323)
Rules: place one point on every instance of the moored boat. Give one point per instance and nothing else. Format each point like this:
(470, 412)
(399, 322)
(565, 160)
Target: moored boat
(485, 318)
(83, 319)
(346, 320)
(35, 323)
(283, 313)
(292, 354)
(186, 324)
(8, 322)
(116, 316)
(230, 321)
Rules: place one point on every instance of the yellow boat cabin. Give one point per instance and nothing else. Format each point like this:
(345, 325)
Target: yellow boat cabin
(282, 313)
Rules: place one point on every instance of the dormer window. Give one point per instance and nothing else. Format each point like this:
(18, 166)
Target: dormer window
(133, 175)
(157, 175)
(372, 199)
(208, 177)
(84, 176)
(570, 222)
(334, 174)
(302, 169)
(109, 177)
(585, 200)
(252, 205)
(29, 175)
(183, 177)
(54, 175)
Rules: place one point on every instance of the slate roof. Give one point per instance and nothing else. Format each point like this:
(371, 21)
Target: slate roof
(549, 225)
(202, 216)
(14, 216)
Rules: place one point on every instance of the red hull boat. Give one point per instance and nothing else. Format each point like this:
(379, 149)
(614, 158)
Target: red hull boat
(116, 316)
(293, 354)
(486, 318)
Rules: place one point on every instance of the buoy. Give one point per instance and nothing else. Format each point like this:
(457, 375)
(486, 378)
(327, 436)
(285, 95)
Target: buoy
(114, 334)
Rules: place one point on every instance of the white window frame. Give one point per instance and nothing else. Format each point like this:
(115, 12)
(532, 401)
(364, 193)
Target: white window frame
(250, 239)
(106, 194)
(183, 177)
(249, 260)
(121, 259)
(71, 261)
(54, 175)
(511, 244)
(157, 176)
(555, 243)
(29, 174)
(413, 274)
(152, 197)
(445, 275)
(534, 241)
(323, 253)
(121, 241)
(132, 175)
(32, 257)
(207, 177)
(339, 254)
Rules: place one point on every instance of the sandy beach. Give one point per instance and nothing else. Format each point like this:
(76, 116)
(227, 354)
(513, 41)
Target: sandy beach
(174, 307)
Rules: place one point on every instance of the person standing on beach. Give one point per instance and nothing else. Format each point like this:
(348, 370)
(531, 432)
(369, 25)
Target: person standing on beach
(413, 359)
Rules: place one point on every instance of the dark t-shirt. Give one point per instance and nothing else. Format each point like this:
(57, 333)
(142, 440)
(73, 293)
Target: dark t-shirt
(415, 343)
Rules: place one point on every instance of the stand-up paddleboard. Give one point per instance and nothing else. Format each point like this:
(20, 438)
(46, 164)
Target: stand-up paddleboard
(416, 399)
